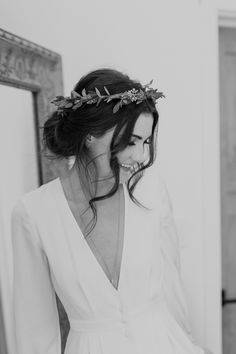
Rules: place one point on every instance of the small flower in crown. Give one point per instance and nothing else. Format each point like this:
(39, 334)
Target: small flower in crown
(75, 101)
(132, 94)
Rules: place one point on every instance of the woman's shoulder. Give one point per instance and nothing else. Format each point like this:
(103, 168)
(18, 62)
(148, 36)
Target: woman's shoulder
(37, 199)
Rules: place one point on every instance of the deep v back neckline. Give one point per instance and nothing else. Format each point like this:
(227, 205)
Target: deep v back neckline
(88, 249)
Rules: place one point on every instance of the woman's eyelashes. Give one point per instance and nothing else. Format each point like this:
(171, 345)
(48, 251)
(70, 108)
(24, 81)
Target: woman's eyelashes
(148, 141)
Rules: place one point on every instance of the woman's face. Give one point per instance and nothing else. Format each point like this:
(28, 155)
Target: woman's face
(136, 152)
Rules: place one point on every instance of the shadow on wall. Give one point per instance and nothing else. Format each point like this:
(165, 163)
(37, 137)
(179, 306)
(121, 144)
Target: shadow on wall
(3, 344)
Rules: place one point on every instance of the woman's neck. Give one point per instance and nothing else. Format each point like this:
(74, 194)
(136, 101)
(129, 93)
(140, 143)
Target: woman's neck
(89, 183)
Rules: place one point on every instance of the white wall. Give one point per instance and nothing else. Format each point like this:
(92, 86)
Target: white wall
(228, 5)
(175, 43)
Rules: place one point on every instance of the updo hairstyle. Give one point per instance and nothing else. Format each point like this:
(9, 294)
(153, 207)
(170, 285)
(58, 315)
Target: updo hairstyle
(65, 136)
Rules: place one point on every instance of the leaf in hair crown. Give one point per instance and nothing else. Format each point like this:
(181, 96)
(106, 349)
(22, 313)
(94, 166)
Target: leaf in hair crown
(75, 101)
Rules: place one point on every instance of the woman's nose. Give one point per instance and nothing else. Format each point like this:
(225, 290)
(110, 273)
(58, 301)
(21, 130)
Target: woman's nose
(141, 154)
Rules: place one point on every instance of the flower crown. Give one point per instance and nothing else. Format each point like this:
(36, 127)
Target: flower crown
(75, 101)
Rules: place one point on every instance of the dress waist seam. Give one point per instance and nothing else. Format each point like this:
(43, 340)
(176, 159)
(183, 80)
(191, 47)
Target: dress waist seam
(110, 324)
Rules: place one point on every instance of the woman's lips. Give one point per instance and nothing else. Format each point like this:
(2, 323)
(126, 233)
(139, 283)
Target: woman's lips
(127, 168)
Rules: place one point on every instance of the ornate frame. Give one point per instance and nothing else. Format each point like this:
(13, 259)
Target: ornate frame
(26, 65)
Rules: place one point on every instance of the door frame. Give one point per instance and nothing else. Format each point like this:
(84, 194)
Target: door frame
(226, 18)
(212, 17)
(211, 206)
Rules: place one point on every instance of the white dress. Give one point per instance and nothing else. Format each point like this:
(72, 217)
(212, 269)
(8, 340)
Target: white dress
(146, 314)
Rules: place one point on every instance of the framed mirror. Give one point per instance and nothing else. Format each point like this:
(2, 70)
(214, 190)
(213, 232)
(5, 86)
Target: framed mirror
(25, 65)
(28, 66)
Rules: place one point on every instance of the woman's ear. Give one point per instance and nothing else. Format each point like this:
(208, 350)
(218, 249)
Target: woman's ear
(89, 140)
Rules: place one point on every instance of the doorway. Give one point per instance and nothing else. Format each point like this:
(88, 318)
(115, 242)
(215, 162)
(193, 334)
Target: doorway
(227, 63)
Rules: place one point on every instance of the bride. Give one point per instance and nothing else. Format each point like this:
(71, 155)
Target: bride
(103, 236)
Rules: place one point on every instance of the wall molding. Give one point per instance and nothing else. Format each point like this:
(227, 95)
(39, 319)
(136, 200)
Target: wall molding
(227, 18)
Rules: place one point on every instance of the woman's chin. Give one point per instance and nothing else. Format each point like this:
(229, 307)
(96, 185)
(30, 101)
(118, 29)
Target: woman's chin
(124, 175)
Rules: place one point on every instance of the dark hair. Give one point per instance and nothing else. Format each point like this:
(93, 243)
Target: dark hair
(65, 136)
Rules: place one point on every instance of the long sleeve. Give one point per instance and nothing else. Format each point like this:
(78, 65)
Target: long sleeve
(36, 318)
(172, 280)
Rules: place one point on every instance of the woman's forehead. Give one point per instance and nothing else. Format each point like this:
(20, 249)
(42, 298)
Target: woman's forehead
(142, 128)
(143, 125)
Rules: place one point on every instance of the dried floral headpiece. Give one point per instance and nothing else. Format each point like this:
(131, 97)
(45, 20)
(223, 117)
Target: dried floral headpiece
(75, 101)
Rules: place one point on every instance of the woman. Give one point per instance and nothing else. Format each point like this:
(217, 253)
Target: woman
(102, 237)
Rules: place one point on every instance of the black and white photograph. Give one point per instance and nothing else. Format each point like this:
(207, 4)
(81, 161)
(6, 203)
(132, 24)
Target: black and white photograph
(118, 177)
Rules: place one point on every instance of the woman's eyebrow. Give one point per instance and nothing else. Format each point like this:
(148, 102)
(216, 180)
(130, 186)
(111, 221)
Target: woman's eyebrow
(137, 136)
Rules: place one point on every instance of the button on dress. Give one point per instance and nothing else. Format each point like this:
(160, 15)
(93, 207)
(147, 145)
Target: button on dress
(145, 314)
